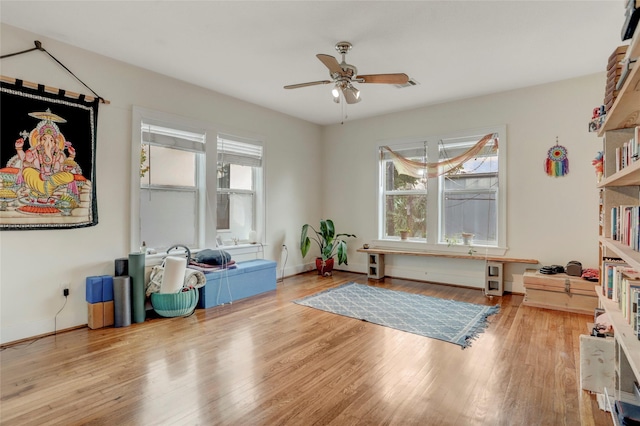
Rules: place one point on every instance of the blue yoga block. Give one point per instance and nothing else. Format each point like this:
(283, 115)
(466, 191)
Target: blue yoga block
(247, 279)
(93, 287)
(107, 288)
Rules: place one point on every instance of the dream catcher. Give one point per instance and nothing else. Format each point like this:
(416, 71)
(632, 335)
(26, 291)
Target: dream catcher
(557, 162)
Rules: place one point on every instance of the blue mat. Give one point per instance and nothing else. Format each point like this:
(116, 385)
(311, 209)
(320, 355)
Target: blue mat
(447, 320)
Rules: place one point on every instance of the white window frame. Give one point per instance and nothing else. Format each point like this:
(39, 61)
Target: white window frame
(258, 190)
(206, 217)
(434, 198)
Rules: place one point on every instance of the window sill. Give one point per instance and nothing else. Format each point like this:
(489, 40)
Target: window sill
(438, 248)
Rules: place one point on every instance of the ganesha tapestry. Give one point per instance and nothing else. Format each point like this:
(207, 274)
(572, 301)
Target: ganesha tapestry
(47, 159)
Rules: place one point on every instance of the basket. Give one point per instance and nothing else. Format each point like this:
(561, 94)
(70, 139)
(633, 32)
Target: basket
(175, 304)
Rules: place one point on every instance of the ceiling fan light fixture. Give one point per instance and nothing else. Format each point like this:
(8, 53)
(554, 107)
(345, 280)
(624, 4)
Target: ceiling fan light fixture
(336, 92)
(351, 94)
(355, 91)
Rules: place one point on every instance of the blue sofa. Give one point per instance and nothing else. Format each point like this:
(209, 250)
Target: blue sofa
(247, 279)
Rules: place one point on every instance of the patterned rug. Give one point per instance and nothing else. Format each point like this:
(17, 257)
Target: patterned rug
(448, 320)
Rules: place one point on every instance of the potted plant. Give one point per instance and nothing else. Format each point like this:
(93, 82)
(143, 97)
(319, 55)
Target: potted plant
(467, 238)
(404, 234)
(330, 244)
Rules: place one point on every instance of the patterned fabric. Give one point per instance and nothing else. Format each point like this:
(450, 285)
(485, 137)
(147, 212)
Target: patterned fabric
(416, 169)
(47, 159)
(448, 320)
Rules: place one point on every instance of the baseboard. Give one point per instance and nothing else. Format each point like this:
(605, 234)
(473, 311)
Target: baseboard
(40, 336)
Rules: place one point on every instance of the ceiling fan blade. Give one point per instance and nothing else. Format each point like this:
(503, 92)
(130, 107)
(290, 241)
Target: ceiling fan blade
(399, 78)
(331, 63)
(311, 83)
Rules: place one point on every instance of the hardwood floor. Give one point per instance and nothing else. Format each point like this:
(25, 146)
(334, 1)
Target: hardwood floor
(267, 361)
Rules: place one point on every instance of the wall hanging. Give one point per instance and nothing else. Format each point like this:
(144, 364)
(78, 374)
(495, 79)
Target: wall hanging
(557, 162)
(47, 156)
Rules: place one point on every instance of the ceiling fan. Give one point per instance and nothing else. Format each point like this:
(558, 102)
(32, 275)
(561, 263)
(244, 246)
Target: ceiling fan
(343, 75)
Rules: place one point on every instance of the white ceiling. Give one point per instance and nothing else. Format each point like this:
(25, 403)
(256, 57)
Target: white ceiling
(251, 49)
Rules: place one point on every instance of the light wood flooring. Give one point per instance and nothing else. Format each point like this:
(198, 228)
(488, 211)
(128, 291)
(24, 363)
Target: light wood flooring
(268, 361)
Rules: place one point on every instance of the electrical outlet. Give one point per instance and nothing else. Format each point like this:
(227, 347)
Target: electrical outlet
(64, 288)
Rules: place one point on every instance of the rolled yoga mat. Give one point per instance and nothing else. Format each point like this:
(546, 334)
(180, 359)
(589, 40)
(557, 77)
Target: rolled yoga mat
(136, 273)
(122, 301)
(173, 277)
(121, 267)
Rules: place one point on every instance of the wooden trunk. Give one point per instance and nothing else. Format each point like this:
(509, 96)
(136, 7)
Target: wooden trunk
(559, 291)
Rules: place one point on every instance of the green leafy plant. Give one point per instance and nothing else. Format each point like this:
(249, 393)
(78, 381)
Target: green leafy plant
(143, 160)
(330, 243)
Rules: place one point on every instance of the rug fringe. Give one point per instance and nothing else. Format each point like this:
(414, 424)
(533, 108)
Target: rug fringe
(480, 327)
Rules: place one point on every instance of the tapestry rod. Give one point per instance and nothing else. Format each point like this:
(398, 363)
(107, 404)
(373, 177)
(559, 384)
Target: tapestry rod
(50, 89)
(38, 45)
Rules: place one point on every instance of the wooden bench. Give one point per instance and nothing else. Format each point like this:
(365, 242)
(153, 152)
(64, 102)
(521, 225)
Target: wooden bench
(493, 273)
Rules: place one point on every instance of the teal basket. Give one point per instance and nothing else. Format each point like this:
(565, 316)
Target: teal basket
(175, 304)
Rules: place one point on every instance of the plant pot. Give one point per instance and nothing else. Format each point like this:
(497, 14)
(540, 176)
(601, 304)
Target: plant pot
(325, 268)
(467, 238)
(404, 235)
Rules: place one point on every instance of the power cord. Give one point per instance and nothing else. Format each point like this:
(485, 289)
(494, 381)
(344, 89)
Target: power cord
(225, 275)
(55, 318)
(284, 264)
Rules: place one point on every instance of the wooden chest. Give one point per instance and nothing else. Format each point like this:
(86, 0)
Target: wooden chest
(559, 291)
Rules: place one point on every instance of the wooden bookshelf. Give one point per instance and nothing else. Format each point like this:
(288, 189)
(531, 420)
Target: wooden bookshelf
(628, 176)
(625, 337)
(621, 187)
(622, 251)
(625, 111)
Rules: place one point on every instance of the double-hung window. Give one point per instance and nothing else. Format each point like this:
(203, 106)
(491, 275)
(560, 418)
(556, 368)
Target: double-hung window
(172, 187)
(240, 194)
(404, 197)
(441, 190)
(469, 193)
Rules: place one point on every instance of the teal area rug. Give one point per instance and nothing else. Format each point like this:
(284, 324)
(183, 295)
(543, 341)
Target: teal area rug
(448, 320)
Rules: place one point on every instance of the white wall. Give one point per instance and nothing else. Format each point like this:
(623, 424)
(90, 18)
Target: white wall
(35, 264)
(552, 219)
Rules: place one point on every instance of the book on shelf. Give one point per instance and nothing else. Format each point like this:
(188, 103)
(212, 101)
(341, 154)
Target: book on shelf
(626, 287)
(625, 225)
(636, 326)
(628, 295)
(610, 276)
(629, 152)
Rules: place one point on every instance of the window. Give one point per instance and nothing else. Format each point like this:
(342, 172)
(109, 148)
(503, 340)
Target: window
(405, 197)
(469, 194)
(169, 191)
(239, 200)
(465, 196)
(171, 186)
(191, 184)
